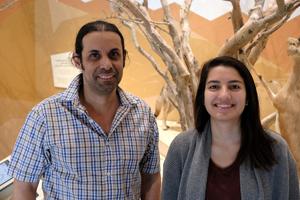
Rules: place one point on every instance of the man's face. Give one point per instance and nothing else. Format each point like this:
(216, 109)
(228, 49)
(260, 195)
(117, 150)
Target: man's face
(102, 62)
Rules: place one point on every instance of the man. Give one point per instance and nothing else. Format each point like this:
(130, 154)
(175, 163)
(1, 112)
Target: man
(93, 141)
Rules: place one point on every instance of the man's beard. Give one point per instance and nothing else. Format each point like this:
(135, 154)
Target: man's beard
(104, 81)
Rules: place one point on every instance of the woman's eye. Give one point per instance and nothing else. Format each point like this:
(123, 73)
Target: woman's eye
(235, 87)
(212, 87)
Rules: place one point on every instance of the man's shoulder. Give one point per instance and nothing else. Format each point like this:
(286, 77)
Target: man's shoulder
(129, 98)
(49, 102)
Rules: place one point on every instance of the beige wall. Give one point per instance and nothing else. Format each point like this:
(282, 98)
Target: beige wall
(32, 30)
(17, 85)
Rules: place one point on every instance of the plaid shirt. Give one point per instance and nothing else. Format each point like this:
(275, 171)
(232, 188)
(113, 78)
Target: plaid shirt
(62, 145)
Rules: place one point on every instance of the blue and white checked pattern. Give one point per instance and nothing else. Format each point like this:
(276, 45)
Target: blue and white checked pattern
(62, 145)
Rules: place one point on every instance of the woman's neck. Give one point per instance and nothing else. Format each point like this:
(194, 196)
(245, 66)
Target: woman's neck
(226, 132)
(226, 142)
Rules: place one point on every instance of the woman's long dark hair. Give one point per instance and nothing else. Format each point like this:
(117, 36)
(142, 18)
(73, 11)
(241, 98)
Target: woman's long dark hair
(256, 144)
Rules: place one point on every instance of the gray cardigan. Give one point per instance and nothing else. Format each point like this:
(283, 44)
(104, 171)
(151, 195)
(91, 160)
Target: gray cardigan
(186, 165)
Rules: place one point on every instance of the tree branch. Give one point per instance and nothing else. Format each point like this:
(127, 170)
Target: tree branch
(157, 41)
(256, 23)
(236, 15)
(269, 120)
(143, 51)
(271, 94)
(174, 32)
(256, 12)
(255, 52)
(273, 15)
(145, 4)
(7, 4)
(188, 56)
(256, 47)
(280, 5)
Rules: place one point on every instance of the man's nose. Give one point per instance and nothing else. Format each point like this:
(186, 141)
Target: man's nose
(105, 62)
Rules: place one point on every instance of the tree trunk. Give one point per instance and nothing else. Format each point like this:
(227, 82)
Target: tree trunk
(287, 103)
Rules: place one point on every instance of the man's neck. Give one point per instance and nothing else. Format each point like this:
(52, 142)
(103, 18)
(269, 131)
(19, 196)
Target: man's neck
(101, 108)
(98, 102)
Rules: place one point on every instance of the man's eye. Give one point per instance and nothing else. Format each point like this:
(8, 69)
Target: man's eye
(94, 56)
(114, 55)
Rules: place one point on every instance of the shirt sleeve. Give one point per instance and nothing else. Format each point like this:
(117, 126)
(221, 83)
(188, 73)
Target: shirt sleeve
(27, 159)
(150, 163)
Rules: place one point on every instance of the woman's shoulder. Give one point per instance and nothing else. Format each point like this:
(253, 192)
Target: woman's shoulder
(181, 145)
(186, 137)
(278, 139)
(280, 146)
(286, 163)
(184, 141)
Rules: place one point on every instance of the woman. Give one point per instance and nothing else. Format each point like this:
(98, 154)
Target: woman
(228, 155)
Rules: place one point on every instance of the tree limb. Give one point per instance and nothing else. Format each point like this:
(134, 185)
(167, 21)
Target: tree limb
(255, 52)
(236, 15)
(174, 32)
(7, 4)
(143, 51)
(271, 94)
(273, 15)
(269, 120)
(144, 16)
(256, 47)
(280, 5)
(162, 46)
(256, 23)
(188, 56)
(145, 4)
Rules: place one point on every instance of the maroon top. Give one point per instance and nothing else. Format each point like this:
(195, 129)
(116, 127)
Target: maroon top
(223, 183)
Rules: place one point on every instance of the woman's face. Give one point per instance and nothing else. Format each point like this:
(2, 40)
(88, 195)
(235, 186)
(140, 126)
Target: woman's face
(225, 94)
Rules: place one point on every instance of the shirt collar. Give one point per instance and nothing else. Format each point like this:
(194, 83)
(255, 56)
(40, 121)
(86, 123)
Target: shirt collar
(71, 94)
(126, 99)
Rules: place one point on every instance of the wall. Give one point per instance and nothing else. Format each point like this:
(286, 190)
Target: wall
(32, 30)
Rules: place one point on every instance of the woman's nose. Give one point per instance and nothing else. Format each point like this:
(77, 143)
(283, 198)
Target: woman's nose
(224, 92)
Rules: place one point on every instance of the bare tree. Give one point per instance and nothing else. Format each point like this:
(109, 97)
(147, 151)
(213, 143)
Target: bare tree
(247, 42)
(287, 101)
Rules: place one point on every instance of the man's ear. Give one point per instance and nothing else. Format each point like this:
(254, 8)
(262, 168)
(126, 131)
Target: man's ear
(76, 61)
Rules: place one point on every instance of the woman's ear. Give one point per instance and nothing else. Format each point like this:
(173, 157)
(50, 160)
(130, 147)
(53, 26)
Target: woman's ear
(76, 61)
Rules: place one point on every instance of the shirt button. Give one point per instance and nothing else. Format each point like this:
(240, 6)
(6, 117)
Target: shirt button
(107, 174)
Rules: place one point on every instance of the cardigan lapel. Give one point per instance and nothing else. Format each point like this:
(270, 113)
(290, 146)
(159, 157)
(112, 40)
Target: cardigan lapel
(254, 183)
(252, 180)
(199, 166)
